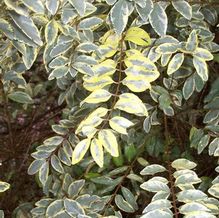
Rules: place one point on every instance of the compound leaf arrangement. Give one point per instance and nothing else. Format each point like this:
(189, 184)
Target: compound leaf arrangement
(136, 86)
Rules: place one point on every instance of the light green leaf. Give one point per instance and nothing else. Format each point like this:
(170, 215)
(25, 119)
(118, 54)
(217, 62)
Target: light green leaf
(29, 56)
(203, 143)
(109, 141)
(188, 87)
(158, 19)
(80, 150)
(214, 190)
(35, 166)
(190, 195)
(20, 97)
(97, 96)
(157, 214)
(44, 173)
(54, 208)
(79, 5)
(4, 186)
(155, 186)
(96, 150)
(145, 9)
(125, 103)
(52, 6)
(184, 8)
(129, 197)
(201, 68)
(182, 164)
(192, 207)
(160, 204)
(152, 169)
(175, 63)
(120, 124)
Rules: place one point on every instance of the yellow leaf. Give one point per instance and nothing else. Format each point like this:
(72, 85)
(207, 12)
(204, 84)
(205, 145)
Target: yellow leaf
(106, 68)
(136, 83)
(120, 124)
(96, 150)
(138, 36)
(110, 38)
(97, 96)
(96, 82)
(141, 71)
(80, 150)
(94, 119)
(109, 142)
(132, 104)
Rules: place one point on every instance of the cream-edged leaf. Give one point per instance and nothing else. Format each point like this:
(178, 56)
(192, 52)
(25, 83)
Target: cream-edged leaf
(96, 150)
(175, 63)
(183, 7)
(80, 150)
(51, 32)
(203, 54)
(201, 67)
(52, 6)
(109, 141)
(120, 124)
(192, 41)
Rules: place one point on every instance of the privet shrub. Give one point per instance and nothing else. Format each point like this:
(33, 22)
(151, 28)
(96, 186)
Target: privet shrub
(137, 83)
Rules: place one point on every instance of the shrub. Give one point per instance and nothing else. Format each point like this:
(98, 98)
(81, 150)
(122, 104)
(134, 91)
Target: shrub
(129, 89)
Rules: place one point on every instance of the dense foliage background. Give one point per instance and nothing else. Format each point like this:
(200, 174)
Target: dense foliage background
(109, 108)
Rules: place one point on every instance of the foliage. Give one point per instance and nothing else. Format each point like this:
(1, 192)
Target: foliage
(129, 88)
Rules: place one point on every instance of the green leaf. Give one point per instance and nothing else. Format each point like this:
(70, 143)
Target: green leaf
(96, 150)
(203, 54)
(184, 8)
(36, 6)
(56, 164)
(73, 208)
(54, 208)
(109, 141)
(190, 195)
(79, 5)
(192, 41)
(129, 197)
(188, 87)
(52, 6)
(181, 164)
(97, 96)
(145, 10)
(4, 186)
(35, 166)
(44, 173)
(120, 124)
(20, 97)
(80, 150)
(175, 63)
(152, 169)
(89, 23)
(58, 72)
(119, 15)
(158, 19)
(29, 56)
(203, 143)
(27, 26)
(75, 188)
(123, 205)
(201, 68)
(125, 103)
(51, 32)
